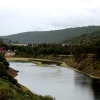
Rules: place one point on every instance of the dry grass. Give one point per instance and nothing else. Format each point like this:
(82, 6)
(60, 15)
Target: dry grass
(17, 58)
(66, 62)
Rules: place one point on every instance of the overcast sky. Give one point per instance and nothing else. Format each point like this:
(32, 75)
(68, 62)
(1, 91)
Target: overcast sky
(41, 15)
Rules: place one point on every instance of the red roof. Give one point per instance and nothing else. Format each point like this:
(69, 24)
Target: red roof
(2, 49)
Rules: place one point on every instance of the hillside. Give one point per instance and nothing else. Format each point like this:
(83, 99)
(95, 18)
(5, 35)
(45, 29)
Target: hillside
(55, 36)
(84, 37)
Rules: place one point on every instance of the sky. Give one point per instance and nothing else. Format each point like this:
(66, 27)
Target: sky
(18, 16)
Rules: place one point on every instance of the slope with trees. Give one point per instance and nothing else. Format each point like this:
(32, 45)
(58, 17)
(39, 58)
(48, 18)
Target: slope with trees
(84, 38)
(53, 36)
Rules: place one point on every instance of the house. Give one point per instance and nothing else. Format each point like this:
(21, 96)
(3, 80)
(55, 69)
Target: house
(9, 53)
(2, 50)
(20, 44)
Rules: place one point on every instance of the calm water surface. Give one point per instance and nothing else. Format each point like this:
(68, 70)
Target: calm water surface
(57, 81)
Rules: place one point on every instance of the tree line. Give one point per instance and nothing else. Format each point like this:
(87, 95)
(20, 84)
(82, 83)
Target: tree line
(58, 49)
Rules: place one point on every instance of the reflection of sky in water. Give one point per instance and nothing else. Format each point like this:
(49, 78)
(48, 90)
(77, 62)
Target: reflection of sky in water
(60, 82)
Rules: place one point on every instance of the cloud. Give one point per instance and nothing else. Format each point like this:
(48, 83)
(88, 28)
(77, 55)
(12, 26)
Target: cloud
(39, 15)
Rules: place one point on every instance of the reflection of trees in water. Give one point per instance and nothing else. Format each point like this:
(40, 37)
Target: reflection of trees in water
(95, 84)
(85, 81)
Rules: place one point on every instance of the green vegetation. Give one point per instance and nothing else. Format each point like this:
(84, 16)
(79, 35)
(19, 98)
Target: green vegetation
(41, 50)
(85, 38)
(85, 54)
(55, 36)
(79, 51)
(92, 48)
(57, 49)
(10, 89)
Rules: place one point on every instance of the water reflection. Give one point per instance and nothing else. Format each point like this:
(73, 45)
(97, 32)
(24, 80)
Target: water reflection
(95, 84)
(82, 80)
(60, 82)
(89, 83)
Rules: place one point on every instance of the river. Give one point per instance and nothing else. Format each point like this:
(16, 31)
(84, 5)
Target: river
(57, 81)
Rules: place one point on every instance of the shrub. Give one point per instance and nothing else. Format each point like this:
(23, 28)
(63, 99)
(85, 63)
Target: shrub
(3, 60)
(3, 71)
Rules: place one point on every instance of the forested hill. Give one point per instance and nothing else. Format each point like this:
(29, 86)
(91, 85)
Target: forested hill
(53, 36)
(84, 38)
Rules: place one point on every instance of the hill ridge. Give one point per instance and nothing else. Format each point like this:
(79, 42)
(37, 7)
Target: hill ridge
(53, 36)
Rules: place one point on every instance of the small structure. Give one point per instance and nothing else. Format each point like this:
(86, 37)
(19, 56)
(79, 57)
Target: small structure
(20, 44)
(2, 50)
(9, 53)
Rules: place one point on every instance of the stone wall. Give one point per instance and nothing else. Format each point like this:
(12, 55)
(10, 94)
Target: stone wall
(9, 53)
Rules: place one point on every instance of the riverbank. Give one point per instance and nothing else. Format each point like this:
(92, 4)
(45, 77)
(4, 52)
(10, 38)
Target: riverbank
(12, 72)
(17, 58)
(11, 89)
(83, 67)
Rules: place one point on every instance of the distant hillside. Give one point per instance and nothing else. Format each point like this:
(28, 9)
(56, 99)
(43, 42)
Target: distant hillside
(84, 37)
(55, 36)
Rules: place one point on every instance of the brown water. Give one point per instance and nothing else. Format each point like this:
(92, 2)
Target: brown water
(57, 81)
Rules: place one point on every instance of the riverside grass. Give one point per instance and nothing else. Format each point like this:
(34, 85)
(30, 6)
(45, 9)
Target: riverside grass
(69, 64)
(10, 89)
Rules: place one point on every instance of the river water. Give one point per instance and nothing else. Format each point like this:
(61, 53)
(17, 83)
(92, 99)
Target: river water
(57, 81)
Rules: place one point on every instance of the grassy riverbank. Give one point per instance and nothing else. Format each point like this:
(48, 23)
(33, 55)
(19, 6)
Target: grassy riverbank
(17, 58)
(85, 65)
(10, 89)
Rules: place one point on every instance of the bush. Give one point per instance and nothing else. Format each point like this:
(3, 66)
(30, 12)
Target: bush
(6, 65)
(14, 81)
(3, 60)
(3, 71)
